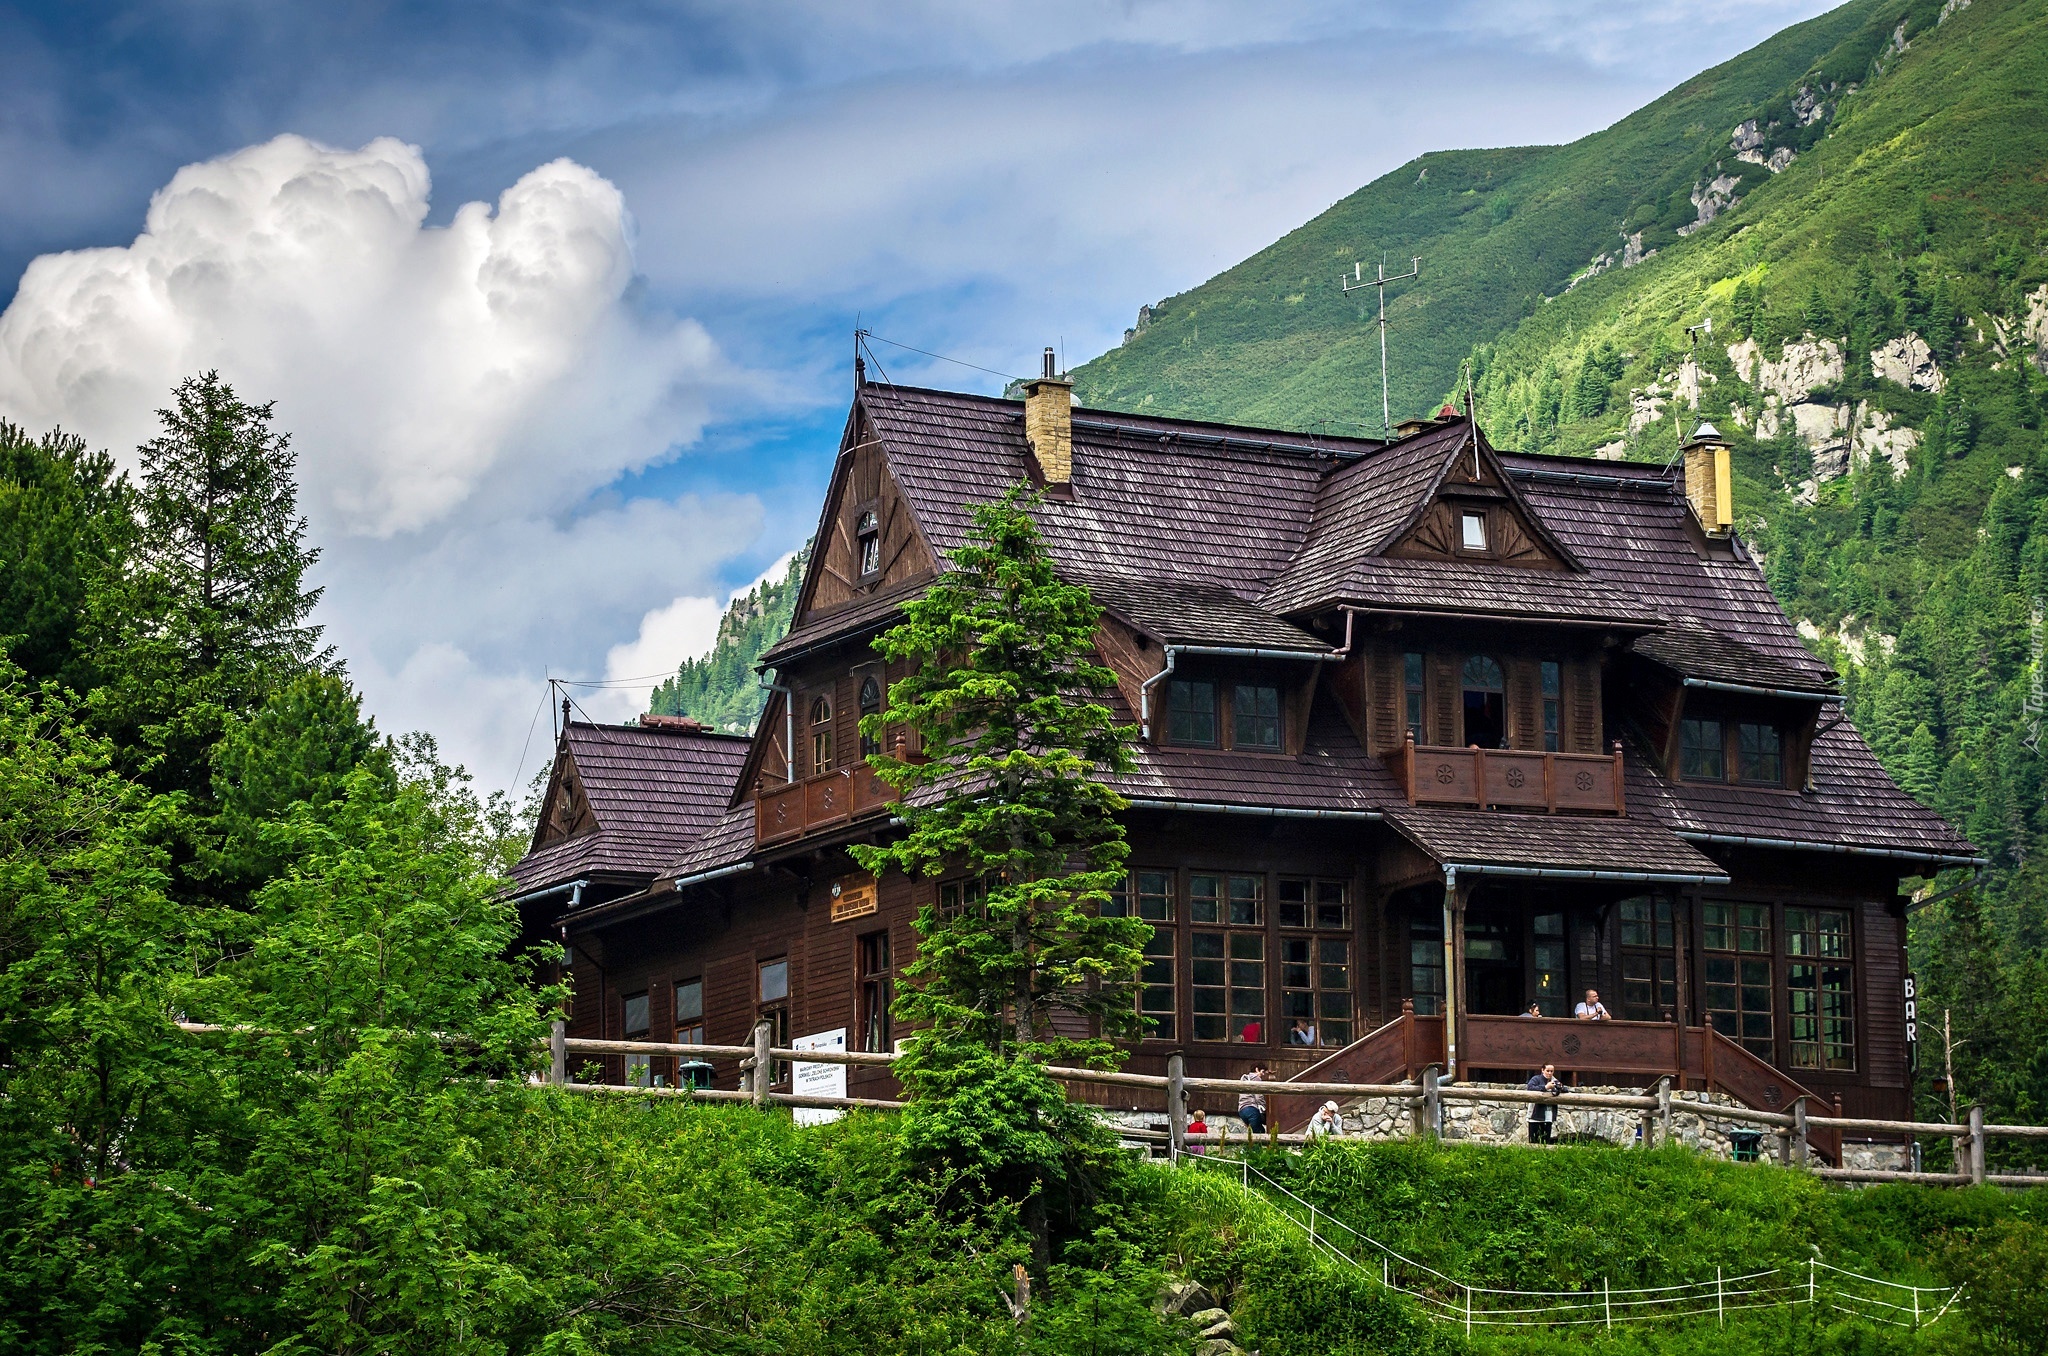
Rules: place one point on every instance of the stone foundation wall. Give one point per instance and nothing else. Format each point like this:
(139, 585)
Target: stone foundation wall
(1693, 1124)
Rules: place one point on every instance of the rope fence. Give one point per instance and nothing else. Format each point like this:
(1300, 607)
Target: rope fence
(1448, 1299)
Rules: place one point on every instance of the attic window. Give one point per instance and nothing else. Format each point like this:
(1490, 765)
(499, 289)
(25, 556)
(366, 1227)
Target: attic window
(868, 531)
(1472, 529)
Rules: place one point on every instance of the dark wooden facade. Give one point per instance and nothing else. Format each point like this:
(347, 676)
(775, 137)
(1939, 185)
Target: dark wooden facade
(1426, 727)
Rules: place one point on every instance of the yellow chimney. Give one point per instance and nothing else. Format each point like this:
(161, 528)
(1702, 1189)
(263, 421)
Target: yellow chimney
(1709, 483)
(1049, 423)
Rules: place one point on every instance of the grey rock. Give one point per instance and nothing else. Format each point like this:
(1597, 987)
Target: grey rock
(1178, 1298)
(1218, 1347)
(1221, 1328)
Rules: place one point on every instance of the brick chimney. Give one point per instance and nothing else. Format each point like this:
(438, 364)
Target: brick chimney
(1049, 423)
(1709, 483)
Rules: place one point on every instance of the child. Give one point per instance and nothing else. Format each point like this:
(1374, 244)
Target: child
(1198, 1124)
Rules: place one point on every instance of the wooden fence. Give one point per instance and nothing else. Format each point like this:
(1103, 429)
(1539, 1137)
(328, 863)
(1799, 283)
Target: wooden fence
(1425, 1098)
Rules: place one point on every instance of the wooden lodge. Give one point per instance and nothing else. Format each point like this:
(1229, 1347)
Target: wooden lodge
(1430, 732)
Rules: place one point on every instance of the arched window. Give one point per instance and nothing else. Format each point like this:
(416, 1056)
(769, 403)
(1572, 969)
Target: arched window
(868, 531)
(821, 736)
(870, 704)
(1486, 708)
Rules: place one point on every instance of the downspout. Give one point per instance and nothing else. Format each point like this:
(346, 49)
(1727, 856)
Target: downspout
(788, 727)
(1145, 694)
(1451, 985)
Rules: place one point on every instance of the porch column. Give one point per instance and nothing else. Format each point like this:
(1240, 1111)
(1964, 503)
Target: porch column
(1454, 973)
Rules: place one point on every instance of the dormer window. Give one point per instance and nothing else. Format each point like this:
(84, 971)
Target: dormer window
(1191, 712)
(1701, 757)
(1472, 530)
(1255, 716)
(868, 532)
(1759, 755)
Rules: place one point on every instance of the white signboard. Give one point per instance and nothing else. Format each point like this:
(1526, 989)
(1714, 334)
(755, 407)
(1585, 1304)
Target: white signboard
(818, 1080)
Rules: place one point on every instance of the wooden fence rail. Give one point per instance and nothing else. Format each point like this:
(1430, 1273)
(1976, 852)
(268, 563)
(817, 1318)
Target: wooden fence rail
(1424, 1099)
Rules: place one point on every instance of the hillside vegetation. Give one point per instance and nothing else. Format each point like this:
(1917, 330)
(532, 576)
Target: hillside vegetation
(1274, 341)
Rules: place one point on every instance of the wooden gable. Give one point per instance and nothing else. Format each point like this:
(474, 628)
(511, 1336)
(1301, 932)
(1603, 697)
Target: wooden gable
(1472, 481)
(565, 811)
(867, 540)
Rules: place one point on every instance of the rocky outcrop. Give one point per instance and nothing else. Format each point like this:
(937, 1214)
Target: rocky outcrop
(1631, 254)
(1805, 366)
(1951, 7)
(1711, 199)
(1746, 137)
(1909, 362)
(1645, 406)
(2034, 325)
(1215, 1333)
(1872, 435)
(1146, 315)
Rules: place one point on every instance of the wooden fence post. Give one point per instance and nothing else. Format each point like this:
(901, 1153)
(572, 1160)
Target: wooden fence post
(1176, 1107)
(764, 1070)
(1805, 1150)
(1432, 1105)
(1977, 1145)
(1664, 1110)
(558, 1053)
(1784, 1148)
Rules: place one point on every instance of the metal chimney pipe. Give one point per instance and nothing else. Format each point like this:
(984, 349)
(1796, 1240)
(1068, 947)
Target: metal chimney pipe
(1047, 370)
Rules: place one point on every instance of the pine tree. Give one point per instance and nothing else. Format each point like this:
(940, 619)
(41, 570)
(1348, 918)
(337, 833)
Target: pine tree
(1819, 320)
(1944, 326)
(1919, 769)
(1743, 308)
(1005, 702)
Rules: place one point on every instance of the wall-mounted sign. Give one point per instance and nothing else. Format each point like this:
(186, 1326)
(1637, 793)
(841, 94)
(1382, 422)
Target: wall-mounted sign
(1912, 1023)
(853, 897)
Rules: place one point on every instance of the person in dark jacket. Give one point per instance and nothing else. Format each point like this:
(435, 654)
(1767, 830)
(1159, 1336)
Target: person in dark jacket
(1543, 1115)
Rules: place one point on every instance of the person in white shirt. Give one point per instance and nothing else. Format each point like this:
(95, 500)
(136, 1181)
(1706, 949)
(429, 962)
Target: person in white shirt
(1328, 1122)
(1592, 1010)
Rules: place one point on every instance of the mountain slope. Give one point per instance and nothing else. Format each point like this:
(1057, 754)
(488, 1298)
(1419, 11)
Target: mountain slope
(1273, 340)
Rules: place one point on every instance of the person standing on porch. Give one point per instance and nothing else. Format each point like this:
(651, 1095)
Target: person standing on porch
(1592, 1010)
(1543, 1115)
(1251, 1104)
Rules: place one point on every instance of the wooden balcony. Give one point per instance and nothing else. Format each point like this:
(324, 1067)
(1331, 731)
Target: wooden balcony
(841, 796)
(1519, 779)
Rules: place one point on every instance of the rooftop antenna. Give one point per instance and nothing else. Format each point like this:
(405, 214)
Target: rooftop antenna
(860, 366)
(1692, 339)
(1358, 280)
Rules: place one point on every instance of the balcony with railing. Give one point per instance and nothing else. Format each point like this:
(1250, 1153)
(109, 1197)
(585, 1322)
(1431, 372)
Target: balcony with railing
(1510, 779)
(792, 809)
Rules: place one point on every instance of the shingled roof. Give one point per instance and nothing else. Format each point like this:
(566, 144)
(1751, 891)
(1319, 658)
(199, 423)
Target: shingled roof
(652, 791)
(1561, 843)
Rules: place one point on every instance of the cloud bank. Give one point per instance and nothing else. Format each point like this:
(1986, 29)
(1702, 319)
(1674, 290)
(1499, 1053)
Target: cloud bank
(458, 397)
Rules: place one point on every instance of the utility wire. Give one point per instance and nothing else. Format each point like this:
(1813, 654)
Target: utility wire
(1007, 376)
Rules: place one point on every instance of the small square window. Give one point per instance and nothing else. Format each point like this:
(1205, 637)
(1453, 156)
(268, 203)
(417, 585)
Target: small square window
(1191, 712)
(1701, 756)
(1472, 527)
(1255, 716)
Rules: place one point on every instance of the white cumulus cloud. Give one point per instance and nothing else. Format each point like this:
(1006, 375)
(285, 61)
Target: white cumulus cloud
(459, 396)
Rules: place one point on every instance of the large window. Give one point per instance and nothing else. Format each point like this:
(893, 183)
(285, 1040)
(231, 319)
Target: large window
(1649, 966)
(821, 736)
(1228, 968)
(1546, 963)
(1701, 756)
(1156, 985)
(958, 896)
(1486, 706)
(1820, 989)
(1757, 754)
(1191, 712)
(1144, 894)
(1315, 990)
(690, 1012)
(877, 988)
(1255, 716)
(1553, 690)
(1412, 690)
(1737, 970)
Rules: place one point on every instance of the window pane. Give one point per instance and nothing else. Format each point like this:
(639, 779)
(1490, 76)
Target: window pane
(1701, 755)
(1719, 925)
(1472, 531)
(636, 1014)
(1483, 675)
(689, 1001)
(1156, 983)
(1756, 927)
(1205, 898)
(1255, 716)
(1293, 903)
(1757, 753)
(1191, 712)
(774, 981)
(1247, 900)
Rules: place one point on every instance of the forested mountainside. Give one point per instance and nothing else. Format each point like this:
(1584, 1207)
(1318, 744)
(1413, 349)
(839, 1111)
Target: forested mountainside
(1869, 216)
(721, 688)
(1274, 340)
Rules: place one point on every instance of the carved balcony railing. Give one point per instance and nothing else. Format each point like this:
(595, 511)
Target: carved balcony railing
(792, 809)
(1519, 779)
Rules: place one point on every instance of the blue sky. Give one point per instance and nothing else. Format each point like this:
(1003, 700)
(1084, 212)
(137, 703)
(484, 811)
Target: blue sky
(551, 433)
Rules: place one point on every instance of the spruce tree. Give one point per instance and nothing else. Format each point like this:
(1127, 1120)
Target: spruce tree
(64, 526)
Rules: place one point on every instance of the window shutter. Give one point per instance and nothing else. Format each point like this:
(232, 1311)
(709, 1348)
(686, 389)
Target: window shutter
(1447, 698)
(1385, 728)
(1584, 702)
(1525, 721)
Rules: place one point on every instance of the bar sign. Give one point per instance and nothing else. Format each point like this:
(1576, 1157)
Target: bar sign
(1912, 1023)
